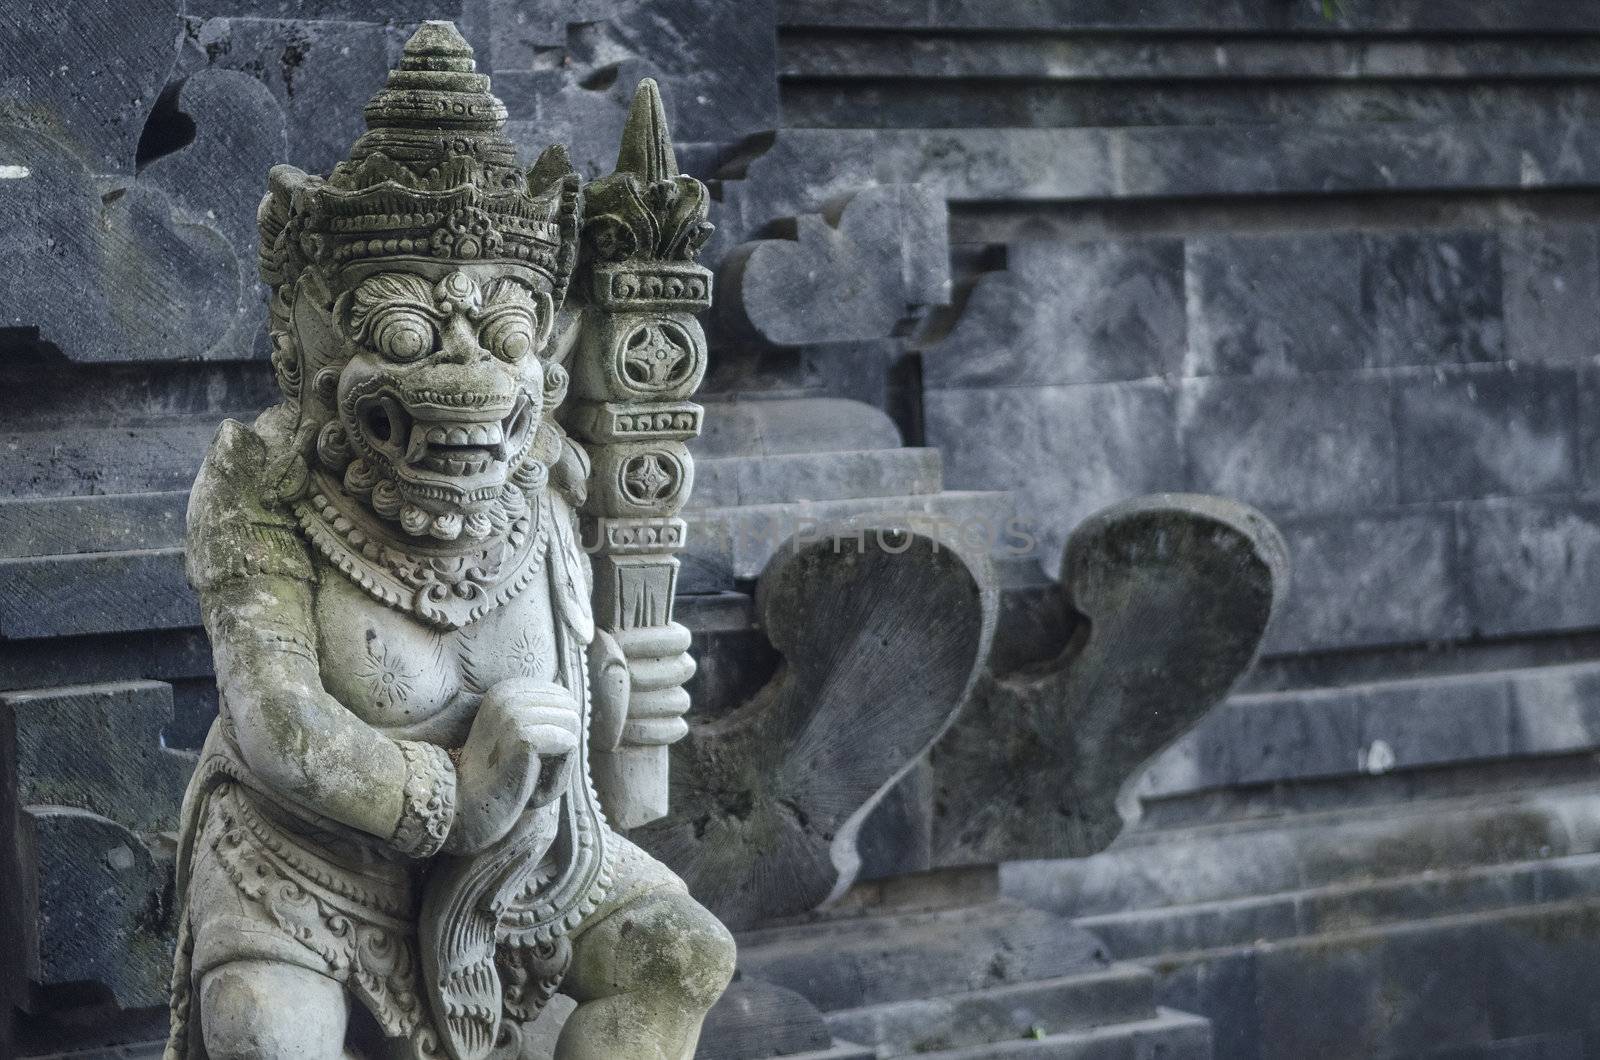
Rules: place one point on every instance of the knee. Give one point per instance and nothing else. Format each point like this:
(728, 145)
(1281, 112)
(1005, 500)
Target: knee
(669, 946)
(252, 1010)
(711, 955)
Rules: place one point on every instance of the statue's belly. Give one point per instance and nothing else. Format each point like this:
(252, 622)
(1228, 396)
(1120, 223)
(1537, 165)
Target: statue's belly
(418, 682)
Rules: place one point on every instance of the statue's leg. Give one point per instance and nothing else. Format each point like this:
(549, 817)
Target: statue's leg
(644, 972)
(263, 1010)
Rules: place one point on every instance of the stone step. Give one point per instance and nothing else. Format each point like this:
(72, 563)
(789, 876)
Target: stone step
(1152, 868)
(1166, 17)
(1168, 1035)
(732, 481)
(54, 526)
(730, 544)
(1467, 982)
(852, 962)
(1120, 994)
(104, 592)
(798, 169)
(1382, 727)
(152, 455)
(768, 427)
(1141, 933)
(823, 54)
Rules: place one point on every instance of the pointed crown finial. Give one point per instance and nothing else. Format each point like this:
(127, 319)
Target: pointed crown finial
(646, 143)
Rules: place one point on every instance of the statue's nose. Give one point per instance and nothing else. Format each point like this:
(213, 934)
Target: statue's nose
(459, 343)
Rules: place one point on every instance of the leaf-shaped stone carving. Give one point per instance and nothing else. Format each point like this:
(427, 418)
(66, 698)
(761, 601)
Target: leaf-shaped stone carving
(880, 645)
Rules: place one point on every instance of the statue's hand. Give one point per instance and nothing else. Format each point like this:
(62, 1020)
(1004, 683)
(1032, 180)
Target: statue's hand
(520, 753)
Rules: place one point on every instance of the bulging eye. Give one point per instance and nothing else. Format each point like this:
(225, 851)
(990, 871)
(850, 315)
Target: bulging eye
(403, 334)
(509, 335)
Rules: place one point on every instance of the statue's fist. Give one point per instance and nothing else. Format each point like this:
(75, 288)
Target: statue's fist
(520, 753)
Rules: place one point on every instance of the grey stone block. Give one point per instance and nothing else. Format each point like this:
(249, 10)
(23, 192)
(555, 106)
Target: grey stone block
(1531, 565)
(63, 525)
(97, 903)
(1175, 15)
(1270, 305)
(1306, 734)
(1433, 297)
(1369, 578)
(797, 170)
(1313, 444)
(115, 274)
(1487, 432)
(88, 74)
(849, 962)
(125, 775)
(1552, 292)
(322, 74)
(793, 425)
(141, 457)
(1555, 709)
(849, 274)
(1416, 723)
(109, 592)
(755, 1019)
(729, 481)
(1066, 313)
(1065, 451)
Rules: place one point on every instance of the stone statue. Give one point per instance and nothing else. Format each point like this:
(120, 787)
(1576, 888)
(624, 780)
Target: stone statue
(394, 842)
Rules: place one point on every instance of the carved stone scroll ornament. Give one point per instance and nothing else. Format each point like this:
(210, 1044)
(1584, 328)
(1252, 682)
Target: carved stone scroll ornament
(882, 635)
(395, 805)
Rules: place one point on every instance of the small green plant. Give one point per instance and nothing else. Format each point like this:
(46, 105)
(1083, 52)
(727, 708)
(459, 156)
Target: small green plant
(1332, 9)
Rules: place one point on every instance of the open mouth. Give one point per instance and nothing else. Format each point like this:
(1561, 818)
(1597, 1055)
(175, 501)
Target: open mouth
(430, 441)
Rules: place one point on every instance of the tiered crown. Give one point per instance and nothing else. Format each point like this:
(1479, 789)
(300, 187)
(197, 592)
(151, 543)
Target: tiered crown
(433, 176)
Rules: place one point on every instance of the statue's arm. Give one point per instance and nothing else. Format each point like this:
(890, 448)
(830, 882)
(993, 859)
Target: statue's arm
(255, 581)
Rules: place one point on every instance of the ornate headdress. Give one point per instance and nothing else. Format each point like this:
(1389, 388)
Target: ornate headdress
(433, 177)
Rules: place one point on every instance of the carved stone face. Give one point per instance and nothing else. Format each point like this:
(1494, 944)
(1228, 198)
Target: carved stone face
(439, 400)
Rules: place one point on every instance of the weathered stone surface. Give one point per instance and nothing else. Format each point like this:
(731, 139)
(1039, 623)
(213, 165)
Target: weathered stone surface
(881, 644)
(799, 169)
(1487, 433)
(116, 274)
(790, 477)
(60, 596)
(754, 1019)
(98, 898)
(794, 425)
(88, 76)
(239, 133)
(1269, 305)
(1066, 451)
(1531, 565)
(1434, 297)
(1170, 15)
(1066, 313)
(1315, 444)
(851, 273)
(1178, 591)
(1379, 577)
(57, 526)
(1552, 292)
(321, 74)
(565, 71)
(127, 775)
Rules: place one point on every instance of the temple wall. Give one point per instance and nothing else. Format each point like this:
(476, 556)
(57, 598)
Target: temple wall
(1033, 259)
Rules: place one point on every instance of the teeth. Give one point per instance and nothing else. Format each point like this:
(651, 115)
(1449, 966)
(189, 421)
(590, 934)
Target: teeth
(418, 443)
(438, 436)
(458, 436)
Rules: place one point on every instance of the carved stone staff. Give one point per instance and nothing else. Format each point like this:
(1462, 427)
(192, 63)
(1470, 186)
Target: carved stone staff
(641, 354)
